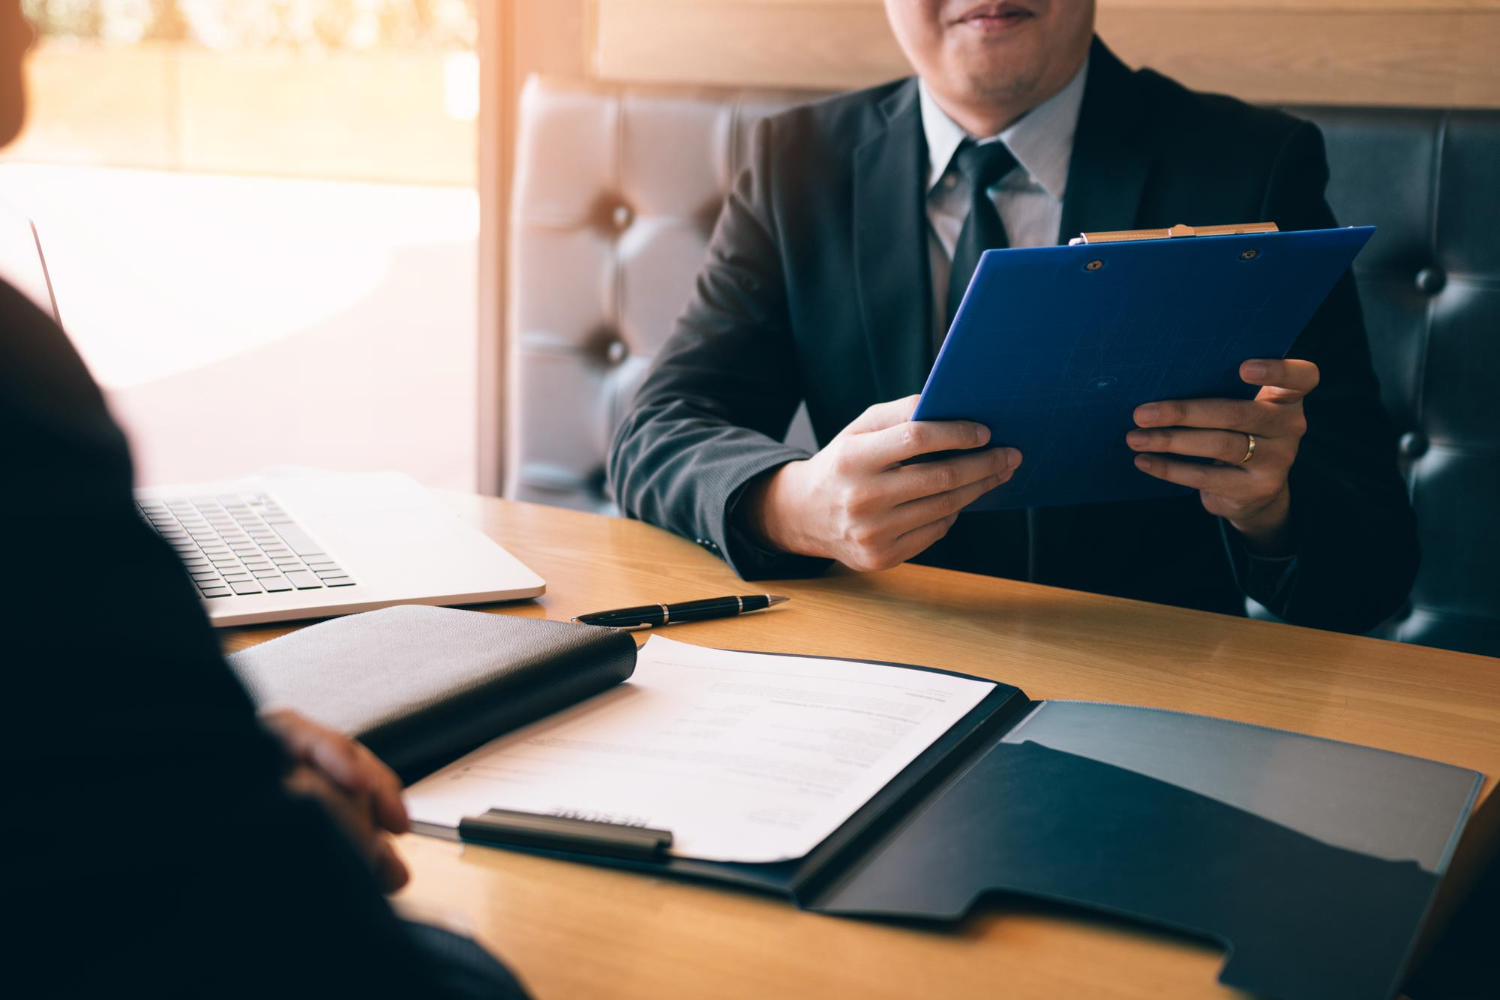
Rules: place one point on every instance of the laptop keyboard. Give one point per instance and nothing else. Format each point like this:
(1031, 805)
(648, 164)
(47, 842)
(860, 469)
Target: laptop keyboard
(242, 544)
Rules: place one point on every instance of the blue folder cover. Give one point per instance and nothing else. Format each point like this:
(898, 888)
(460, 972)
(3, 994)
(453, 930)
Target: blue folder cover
(1053, 348)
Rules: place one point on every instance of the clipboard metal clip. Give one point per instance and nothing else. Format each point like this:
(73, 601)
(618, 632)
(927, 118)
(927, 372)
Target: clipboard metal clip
(1175, 232)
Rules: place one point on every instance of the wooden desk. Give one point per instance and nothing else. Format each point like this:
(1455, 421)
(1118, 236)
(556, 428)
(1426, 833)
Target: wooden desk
(579, 931)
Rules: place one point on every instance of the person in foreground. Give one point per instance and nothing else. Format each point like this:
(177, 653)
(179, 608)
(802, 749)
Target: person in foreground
(163, 839)
(841, 253)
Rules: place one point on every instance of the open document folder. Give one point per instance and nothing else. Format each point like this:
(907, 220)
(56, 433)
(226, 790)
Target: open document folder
(884, 790)
(875, 789)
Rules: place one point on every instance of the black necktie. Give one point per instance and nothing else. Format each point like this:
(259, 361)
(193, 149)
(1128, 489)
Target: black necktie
(998, 543)
(982, 166)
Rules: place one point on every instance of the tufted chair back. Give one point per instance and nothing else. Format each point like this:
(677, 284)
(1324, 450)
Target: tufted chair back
(615, 195)
(1430, 284)
(617, 190)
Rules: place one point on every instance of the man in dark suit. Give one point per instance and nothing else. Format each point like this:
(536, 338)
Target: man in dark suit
(844, 245)
(162, 839)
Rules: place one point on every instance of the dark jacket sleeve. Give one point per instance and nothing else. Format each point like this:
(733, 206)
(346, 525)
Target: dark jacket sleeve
(158, 844)
(712, 412)
(1352, 523)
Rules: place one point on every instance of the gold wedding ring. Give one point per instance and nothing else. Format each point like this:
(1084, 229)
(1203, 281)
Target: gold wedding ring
(1249, 448)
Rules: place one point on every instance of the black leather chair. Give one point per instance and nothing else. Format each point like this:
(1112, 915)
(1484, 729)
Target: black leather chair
(617, 189)
(1430, 283)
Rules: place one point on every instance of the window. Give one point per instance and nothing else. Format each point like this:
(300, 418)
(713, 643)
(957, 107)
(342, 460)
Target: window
(260, 220)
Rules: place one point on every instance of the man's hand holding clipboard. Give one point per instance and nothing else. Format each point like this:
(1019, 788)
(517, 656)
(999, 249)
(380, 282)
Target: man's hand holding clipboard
(1253, 444)
(867, 500)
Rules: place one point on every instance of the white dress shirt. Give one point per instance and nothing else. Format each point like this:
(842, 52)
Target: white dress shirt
(1029, 198)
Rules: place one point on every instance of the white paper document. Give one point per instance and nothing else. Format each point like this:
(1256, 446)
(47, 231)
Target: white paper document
(743, 756)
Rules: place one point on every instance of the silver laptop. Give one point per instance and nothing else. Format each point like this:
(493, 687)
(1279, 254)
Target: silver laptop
(312, 544)
(303, 544)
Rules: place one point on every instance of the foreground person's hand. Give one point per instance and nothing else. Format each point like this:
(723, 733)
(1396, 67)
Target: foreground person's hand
(359, 791)
(856, 502)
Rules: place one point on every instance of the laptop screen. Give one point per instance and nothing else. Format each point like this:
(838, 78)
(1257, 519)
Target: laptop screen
(22, 262)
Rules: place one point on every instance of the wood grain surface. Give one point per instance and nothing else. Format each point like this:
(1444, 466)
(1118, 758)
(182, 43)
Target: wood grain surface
(578, 931)
(1413, 53)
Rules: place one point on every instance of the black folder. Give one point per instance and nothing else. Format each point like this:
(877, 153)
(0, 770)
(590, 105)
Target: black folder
(987, 811)
(1312, 862)
(421, 686)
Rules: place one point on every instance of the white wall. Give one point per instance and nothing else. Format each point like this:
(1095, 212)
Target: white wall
(242, 322)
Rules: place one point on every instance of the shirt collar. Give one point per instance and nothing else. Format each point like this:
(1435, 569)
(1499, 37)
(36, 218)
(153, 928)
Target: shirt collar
(1041, 140)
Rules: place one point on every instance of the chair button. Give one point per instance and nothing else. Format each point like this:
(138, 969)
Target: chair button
(622, 217)
(1413, 444)
(616, 352)
(1430, 280)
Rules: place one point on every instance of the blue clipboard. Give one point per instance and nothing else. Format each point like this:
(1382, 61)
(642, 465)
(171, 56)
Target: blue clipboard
(1053, 348)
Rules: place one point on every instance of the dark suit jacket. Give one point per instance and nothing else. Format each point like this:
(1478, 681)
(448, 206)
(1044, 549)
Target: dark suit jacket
(816, 289)
(151, 844)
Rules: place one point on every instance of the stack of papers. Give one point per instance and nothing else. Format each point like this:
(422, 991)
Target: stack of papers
(746, 757)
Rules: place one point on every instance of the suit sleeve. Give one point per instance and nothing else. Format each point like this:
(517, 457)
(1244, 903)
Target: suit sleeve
(712, 412)
(1352, 523)
(160, 843)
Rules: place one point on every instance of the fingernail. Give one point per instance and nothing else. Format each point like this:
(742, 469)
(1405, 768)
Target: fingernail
(1254, 369)
(1137, 439)
(1012, 459)
(1147, 415)
(1142, 462)
(984, 434)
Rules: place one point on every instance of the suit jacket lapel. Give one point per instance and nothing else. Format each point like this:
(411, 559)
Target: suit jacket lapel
(890, 246)
(1110, 162)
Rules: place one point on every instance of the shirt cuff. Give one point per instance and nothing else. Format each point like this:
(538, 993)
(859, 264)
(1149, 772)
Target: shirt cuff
(752, 560)
(1267, 580)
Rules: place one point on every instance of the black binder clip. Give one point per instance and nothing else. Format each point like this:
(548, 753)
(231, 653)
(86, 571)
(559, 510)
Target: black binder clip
(506, 827)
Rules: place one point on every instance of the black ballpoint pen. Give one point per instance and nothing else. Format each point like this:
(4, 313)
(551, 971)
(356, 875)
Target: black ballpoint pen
(647, 615)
